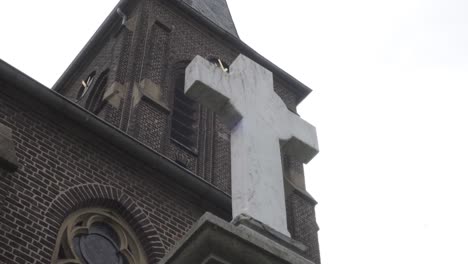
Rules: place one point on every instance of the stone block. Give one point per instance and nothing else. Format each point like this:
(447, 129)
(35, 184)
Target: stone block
(150, 91)
(270, 233)
(215, 241)
(114, 94)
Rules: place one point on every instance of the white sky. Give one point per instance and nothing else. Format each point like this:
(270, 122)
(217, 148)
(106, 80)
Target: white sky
(390, 81)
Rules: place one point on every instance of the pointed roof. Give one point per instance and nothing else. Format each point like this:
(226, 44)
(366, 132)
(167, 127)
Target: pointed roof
(215, 10)
(114, 20)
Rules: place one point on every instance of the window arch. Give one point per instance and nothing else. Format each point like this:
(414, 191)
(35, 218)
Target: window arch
(97, 235)
(95, 102)
(85, 84)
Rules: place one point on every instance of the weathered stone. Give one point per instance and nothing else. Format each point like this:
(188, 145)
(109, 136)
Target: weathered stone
(8, 159)
(151, 91)
(260, 122)
(270, 233)
(114, 94)
(124, 161)
(130, 24)
(214, 241)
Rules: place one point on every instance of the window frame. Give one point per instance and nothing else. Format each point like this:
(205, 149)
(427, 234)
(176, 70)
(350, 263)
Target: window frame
(178, 74)
(81, 220)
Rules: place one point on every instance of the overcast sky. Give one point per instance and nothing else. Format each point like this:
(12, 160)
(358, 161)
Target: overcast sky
(390, 81)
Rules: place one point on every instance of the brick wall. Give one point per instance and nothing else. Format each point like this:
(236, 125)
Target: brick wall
(302, 224)
(162, 39)
(63, 168)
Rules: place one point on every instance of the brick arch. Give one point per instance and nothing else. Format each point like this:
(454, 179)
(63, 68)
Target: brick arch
(176, 57)
(179, 64)
(95, 101)
(97, 71)
(98, 195)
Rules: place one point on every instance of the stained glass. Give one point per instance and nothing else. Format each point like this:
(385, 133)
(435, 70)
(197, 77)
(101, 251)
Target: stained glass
(99, 246)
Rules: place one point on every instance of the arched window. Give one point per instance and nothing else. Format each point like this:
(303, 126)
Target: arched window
(184, 119)
(85, 84)
(95, 102)
(97, 236)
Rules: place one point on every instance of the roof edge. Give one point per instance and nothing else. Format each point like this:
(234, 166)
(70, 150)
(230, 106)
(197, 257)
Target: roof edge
(299, 88)
(101, 34)
(230, 14)
(61, 105)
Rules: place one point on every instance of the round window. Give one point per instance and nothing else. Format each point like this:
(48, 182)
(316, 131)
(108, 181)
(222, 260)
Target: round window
(97, 236)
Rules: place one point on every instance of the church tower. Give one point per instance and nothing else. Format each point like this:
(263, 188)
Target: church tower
(120, 157)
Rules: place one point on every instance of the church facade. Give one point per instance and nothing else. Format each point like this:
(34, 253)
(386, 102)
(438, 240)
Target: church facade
(116, 164)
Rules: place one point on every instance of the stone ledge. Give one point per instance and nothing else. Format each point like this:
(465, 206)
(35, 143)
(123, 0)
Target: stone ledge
(8, 159)
(150, 92)
(212, 240)
(290, 187)
(270, 233)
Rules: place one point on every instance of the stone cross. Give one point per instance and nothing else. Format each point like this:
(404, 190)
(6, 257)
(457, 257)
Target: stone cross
(260, 126)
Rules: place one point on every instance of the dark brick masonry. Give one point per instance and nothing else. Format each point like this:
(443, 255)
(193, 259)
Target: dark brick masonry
(63, 167)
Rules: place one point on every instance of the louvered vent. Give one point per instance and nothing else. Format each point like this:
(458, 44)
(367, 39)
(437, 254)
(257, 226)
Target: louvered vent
(184, 117)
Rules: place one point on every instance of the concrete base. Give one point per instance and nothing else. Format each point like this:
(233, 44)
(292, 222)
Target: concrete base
(214, 241)
(270, 233)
